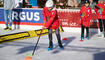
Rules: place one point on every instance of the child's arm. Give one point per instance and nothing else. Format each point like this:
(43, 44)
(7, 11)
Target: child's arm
(51, 19)
(80, 16)
(98, 9)
(90, 14)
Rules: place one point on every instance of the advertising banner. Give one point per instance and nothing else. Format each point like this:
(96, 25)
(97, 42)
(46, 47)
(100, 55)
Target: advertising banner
(72, 18)
(25, 16)
(68, 18)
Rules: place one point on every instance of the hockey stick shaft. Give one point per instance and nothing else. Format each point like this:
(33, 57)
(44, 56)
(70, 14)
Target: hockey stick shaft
(37, 42)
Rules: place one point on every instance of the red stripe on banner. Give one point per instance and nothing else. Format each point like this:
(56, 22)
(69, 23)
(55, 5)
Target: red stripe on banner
(22, 23)
(1, 22)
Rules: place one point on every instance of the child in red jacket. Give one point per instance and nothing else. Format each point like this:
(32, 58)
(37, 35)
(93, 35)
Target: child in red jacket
(85, 13)
(100, 10)
(51, 22)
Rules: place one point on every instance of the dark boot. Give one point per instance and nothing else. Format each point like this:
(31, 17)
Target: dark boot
(6, 28)
(50, 46)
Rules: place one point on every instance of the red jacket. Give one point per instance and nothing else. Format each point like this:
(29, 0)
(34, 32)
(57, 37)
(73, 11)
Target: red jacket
(102, 7)
(86, 14)
(50, 18)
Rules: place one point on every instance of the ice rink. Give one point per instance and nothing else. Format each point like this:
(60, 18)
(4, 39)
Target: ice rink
(93, 49)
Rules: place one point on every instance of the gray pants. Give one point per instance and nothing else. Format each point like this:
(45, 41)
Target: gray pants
(57, 34)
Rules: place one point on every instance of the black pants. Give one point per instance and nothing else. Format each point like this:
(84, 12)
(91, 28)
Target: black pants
(57, 34)
(101, 25)
(82, 31)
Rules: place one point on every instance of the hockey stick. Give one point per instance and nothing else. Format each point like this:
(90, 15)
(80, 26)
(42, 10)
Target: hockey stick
(37, 42)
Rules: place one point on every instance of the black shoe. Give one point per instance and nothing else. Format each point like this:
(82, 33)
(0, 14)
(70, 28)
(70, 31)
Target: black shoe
(61, 46)
(6, 28)
(50, 47)
(10, 28)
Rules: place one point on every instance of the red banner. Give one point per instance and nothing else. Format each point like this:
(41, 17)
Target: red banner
(71, 18)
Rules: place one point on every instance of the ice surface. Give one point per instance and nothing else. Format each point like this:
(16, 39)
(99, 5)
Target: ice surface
(93, 49)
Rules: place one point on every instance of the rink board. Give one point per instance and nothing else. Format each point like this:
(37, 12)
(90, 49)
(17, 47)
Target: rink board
(24, 35)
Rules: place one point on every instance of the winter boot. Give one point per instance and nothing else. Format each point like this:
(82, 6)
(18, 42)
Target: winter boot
(82, 38)
(61, 46)
(87, 38)
(50, 47)
(101, 34)
(6, 28)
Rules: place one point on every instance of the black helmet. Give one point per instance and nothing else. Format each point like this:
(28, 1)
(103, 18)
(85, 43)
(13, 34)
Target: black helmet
(87, 1)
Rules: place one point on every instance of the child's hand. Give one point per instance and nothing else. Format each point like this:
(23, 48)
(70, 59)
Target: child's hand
(44, 27)
(99, 11)
(102, 9)
(10, 9)
(83, 15)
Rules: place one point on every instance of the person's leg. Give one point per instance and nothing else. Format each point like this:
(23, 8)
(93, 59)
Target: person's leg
(58, 37)
(82, 31)
(10, 19)
(87, 32)
(50, 38)
(104, 26)
(6, 19)
(100, 25)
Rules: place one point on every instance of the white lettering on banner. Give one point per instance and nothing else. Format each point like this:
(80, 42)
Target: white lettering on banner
(37, 18)
(22, 16)
(65, 23)
(29, 16)
(73, 24)
(26, 16)
(15, 15)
